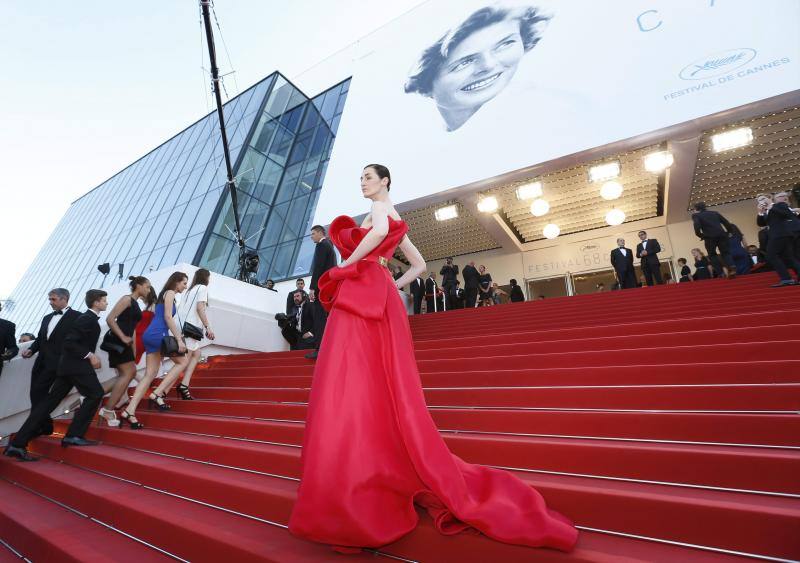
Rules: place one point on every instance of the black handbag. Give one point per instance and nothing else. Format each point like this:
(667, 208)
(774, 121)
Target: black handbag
(111, 342)
(169, 347)
(190, 330)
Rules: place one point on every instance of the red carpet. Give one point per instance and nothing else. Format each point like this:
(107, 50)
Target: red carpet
(664, 421)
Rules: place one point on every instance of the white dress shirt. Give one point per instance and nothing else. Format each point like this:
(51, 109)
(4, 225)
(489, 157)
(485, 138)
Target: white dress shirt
(54, 320)
(624, 251)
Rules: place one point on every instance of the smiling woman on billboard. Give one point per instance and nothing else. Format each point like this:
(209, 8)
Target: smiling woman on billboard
(474, 61)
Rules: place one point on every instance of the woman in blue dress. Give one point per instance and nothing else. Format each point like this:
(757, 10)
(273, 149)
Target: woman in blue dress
(162, 325)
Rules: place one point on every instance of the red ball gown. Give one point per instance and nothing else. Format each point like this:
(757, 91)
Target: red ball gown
(371, 450)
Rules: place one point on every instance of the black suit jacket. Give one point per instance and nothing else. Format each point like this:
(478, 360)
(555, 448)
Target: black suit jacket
(516, 294)
(306, 318)
(80, 341)
(418, 288)
(49, 349)
(430, 287)
(781, 220)
(622, 263)
(470, 275)
(324, 260)
(710, 224)
(8, 343)
(449, 274)
(653, 248)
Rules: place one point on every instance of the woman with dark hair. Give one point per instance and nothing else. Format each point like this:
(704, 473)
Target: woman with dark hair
(122, 321)
(371, 450)
(516, 292)
(473, 62)
(163, 324)
(192, 310)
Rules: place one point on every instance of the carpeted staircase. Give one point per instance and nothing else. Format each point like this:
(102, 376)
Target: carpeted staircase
(665, 421)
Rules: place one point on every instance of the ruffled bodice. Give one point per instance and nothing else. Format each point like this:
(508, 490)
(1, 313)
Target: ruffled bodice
(360, 288)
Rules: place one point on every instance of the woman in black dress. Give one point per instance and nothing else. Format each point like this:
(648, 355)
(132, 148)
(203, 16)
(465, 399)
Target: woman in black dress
(122, 321)
(702, 267)
(485, 287)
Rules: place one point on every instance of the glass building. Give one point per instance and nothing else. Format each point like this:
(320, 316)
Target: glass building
(170, 206)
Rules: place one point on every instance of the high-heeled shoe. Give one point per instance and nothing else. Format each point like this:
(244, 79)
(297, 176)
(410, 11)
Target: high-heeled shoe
(110, 416)
(182, 391)
(132, 421)
(158, 402)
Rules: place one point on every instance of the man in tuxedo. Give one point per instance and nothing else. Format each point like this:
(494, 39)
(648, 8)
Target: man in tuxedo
(299, 285)
(76, 368)
(647, 251)
(622, 261)
(298, 327)
(784, 230)
(48, 345)
(418, 292)
(471, 282)
(432, 294)
(324, 259)
(715, 231)
(8, 345)
(449, 273)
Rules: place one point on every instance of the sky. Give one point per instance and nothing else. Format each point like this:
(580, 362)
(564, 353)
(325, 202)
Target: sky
(91, 86)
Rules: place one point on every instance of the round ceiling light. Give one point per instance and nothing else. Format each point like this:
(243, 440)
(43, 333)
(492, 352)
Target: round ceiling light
(539, 207)
(551, 231)
(611, 190)
(615, 217)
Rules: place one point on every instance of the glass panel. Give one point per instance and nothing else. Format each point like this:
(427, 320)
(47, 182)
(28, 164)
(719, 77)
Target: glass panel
(216, 253)
(294, 221)
(189, 249)
(283, 260)
(304, 256)
(171, 253)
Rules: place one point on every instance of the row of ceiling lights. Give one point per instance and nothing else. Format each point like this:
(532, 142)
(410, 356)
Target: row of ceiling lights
(655, 162)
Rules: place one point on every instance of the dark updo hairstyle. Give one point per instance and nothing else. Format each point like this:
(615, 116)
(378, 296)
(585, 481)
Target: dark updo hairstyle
(174, 279)
(136, 281)
(201, 277)
(151, 299)
(382, 173)
(421, 77)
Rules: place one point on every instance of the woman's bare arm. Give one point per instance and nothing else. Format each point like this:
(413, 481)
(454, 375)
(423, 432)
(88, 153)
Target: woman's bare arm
(415, 259)
(169, 300)
(111, 319)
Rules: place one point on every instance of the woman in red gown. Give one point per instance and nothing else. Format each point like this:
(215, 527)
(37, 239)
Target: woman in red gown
(371, 450)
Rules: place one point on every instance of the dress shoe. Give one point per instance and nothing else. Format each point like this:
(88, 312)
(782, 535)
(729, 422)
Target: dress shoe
(784, 283)
(312, 355)
(19, 453)
(77, 441)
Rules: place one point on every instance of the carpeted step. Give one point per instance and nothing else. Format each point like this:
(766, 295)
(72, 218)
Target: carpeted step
(41, 530)
(747, 397)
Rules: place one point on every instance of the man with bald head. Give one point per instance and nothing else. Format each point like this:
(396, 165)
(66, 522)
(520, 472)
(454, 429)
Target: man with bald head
(622, 261)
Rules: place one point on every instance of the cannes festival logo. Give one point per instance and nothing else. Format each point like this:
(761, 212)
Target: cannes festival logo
(717, 64)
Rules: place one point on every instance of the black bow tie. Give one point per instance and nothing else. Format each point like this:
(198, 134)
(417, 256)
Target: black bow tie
(58, 312)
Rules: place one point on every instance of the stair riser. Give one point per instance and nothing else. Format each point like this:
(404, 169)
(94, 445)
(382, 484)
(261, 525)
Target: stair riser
(745, 398)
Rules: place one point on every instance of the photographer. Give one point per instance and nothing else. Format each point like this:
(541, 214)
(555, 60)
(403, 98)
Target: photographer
(449, 273)
(297, 327)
